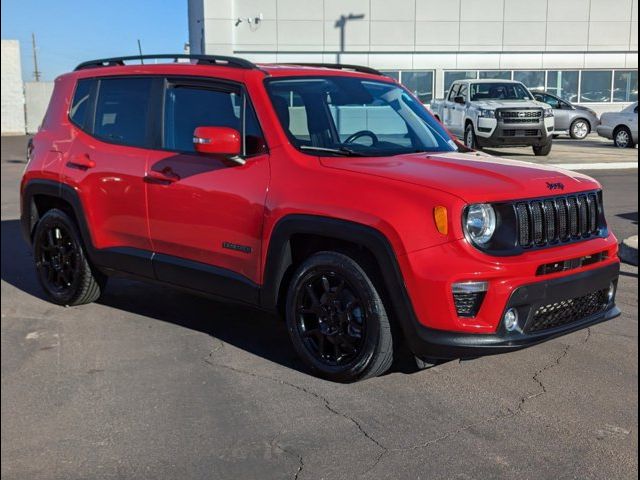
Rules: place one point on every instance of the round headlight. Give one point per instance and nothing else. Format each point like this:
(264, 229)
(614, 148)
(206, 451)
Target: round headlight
(480, 222)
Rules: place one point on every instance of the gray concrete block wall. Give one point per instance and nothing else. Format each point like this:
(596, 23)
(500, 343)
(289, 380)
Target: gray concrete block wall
(13, 121)
(37, 95)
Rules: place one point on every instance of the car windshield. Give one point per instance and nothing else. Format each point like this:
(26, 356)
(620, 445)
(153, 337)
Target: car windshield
(499, 91)
(351, 116)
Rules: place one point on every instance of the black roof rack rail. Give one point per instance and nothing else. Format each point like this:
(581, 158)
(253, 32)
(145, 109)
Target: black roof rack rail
(200, 60)
(340, 66)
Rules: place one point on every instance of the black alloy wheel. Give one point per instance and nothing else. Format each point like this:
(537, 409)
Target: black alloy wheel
(330, 317)
(336, 319)
(62, 266)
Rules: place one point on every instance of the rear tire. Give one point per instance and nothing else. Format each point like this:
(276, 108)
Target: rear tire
(622, 138)
(63, 269)
(579, 129)
(336, 319)
(543, 150)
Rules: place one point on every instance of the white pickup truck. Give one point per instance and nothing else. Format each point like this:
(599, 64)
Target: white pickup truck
(496, 113)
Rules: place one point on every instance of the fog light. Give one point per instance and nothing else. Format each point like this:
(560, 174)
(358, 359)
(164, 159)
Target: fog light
(611, 293)
(511, 320)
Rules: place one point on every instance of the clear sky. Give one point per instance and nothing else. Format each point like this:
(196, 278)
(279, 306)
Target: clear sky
(71, 31)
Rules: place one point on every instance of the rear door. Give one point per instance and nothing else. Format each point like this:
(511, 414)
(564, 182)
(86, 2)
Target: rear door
(106, 165)
(206, 215)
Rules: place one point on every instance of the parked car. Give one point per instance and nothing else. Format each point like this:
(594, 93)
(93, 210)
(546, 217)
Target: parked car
(577, 121)
(327, 193)
(496, 113)
(621, 127)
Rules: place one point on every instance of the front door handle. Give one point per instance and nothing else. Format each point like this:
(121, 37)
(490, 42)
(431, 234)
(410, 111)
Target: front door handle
(165, 176)
(82, 161)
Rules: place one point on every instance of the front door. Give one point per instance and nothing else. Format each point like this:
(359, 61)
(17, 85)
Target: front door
(206, 211)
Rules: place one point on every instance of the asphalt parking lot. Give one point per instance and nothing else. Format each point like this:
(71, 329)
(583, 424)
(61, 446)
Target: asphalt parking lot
(153, 383)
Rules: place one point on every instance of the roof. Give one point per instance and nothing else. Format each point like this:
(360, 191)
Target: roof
(203, 64)
(486, 80)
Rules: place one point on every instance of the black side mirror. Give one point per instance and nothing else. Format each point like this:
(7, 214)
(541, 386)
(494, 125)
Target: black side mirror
(459, 99)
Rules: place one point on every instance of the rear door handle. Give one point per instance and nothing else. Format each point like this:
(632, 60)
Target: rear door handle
(81, 161)
(165, 176)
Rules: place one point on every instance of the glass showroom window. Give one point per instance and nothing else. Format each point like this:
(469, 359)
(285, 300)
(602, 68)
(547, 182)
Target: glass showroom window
(496, 74)
(595, 86)
(450, 77)
(625, 86)
(420, 83)
(564, 84)
(533, 79)
(395, 74)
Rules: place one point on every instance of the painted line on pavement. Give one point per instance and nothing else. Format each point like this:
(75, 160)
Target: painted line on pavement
(596, 166)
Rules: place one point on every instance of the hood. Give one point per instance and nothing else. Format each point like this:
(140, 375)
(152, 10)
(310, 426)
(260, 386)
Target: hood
(585, 109)
(493, 104)
(470, 176)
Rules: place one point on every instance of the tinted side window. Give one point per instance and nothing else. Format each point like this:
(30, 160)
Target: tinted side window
(82, 103)
(551, 101)
(453, 92)
(189, 107)
(464, 90)
(122, 111)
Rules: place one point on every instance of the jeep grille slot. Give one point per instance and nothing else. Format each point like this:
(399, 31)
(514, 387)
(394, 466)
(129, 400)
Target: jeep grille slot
(560, 219)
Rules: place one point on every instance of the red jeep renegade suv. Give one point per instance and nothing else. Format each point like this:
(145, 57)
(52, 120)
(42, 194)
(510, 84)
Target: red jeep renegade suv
(325, 192)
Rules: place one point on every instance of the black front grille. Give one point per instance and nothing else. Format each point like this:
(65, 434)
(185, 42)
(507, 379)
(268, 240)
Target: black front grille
(468, 303)
(561, 219)
(520, 120)
(568, 311)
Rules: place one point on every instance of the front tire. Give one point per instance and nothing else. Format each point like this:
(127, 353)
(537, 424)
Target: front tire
(470, 139)
(63, 269)
(580, 129)
(622, 138)
(543, 150)
(336, 319)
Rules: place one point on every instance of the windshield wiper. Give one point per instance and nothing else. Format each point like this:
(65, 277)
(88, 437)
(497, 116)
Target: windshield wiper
(347, 152)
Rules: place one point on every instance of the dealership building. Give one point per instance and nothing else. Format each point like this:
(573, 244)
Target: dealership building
(586, 51)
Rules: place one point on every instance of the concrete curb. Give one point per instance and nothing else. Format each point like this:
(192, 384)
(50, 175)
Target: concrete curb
(629, 250)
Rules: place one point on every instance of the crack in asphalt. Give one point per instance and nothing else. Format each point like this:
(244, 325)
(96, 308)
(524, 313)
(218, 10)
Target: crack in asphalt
(537, 375)
(326, 403)
(510, 413)
(291, 453)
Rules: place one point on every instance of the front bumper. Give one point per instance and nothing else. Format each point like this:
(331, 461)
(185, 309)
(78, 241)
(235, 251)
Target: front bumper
(527, 299)
(496, 133)
(605, 131)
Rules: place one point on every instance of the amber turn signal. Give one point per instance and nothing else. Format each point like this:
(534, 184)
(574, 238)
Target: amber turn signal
(442, 221)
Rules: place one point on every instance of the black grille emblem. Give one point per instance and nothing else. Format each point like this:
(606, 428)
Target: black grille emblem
(555, 186)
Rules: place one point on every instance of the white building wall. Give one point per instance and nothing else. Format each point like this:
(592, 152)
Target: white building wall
(435, 35)
(13, 122)
(37, 96)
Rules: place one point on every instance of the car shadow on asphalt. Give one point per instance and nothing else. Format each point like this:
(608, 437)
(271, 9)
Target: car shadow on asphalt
(259, 333)
(256, 332)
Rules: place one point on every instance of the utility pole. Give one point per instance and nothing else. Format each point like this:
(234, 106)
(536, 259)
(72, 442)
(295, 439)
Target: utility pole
(36, 72)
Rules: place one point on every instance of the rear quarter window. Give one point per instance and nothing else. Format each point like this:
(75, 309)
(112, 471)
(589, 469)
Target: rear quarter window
(82, 103)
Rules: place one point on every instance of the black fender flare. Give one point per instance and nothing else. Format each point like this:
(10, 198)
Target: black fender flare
(279, 259)
(122, 259)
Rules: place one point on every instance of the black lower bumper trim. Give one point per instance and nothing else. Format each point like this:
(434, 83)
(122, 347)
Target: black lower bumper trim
(450, 345)
(517, 138)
